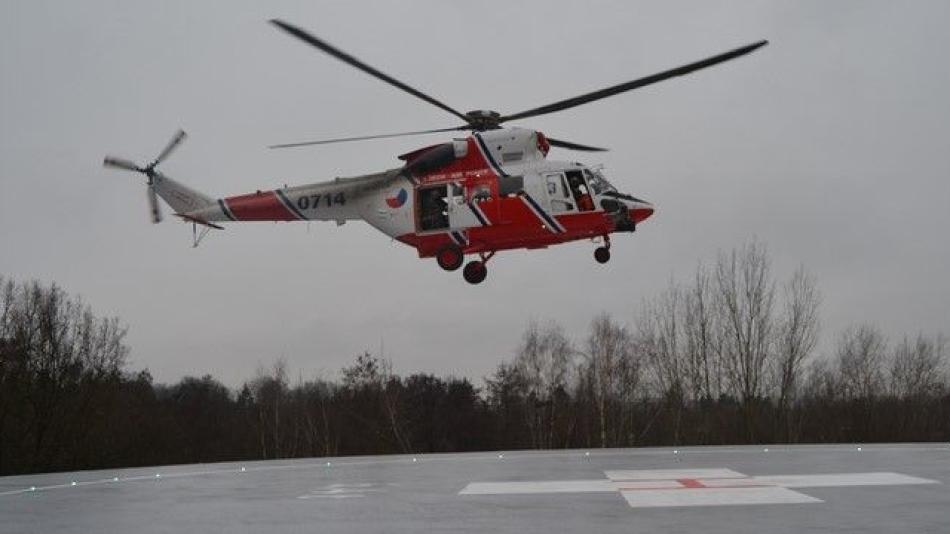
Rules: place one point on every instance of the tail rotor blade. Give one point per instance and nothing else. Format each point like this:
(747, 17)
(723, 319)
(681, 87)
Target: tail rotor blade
(154, 209)
(119, 163)
(179, 137)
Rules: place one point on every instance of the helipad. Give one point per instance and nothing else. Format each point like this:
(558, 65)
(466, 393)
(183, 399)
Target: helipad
(868, 488)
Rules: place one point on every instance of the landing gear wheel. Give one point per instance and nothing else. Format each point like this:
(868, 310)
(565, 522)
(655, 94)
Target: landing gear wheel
(449, 257)
(475, 272)
(602, 254)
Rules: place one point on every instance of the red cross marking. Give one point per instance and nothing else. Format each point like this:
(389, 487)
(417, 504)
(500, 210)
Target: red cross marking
(691, 483)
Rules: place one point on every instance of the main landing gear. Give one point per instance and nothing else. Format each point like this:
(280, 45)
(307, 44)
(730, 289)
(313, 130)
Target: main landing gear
(450, 257)
(602, 254)
(476, 271)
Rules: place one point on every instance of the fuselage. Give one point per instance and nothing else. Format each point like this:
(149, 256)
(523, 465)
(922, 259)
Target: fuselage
(491, 191)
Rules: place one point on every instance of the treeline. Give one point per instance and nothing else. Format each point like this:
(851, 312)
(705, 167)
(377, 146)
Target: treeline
(725, 358)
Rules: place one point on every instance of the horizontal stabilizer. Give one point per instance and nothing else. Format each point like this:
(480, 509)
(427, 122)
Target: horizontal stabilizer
(196, 220)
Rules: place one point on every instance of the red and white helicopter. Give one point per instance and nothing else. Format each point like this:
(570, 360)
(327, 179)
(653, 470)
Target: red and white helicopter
(493, 190)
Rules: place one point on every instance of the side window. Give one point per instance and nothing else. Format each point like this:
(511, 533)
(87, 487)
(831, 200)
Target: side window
(580, 191)
(578, 185)
(556, 186)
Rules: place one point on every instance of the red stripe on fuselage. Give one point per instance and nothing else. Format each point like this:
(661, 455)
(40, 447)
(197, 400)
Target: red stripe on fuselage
(515, 226)
(472, 166)
(260, 206)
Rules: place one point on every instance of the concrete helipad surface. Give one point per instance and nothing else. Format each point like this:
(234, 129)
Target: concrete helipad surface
(867, 488)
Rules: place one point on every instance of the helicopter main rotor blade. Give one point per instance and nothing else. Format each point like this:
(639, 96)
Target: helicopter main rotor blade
(179, 137)
(634, 84)
(365, 137)
(573, 146)
(119, 163)
(346, 58)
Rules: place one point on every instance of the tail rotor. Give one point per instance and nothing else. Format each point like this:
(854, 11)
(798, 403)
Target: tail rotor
(149, 172)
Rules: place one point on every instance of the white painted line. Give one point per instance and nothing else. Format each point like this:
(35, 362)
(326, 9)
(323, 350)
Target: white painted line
(719, 497)
(709, 483)
(842, 479)
(746, 482)
(339, 496)
(544, 486)
(646, 484)
(672, 474)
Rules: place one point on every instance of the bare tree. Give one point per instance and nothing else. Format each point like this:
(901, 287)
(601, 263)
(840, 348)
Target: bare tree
(59, 364)
(544, 360)
(918, 369)
(820, 384)
(317, 394)
(745, 295)
(659, 336)
(629, 374)
(797, 334)
(269, 388)
(560, 357)
(391, 390)
(704, 373)
(861, 354)
(608, 350)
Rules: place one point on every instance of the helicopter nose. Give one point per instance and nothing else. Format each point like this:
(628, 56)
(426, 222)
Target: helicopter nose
(640, 211)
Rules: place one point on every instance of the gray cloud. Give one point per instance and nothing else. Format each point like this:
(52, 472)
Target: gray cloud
(830, 145)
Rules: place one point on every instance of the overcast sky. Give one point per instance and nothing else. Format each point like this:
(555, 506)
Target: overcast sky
(831, 145)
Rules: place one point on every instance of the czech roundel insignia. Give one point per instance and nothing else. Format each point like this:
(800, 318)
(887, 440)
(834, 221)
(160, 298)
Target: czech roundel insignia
(398, 200)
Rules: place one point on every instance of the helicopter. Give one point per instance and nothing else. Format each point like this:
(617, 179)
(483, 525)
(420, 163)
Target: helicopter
(490, 191)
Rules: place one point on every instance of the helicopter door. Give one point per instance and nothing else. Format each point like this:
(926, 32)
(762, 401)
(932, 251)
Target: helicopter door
(460, 215)
(558, 193)
(431, 209)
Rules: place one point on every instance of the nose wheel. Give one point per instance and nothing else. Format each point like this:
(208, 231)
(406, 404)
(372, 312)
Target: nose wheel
(602, 254)
(476, 271)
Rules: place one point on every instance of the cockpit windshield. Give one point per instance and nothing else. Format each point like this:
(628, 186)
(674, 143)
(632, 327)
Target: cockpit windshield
(598, 183)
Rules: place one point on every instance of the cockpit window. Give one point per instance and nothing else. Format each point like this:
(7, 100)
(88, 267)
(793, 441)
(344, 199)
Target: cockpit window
(598, 183)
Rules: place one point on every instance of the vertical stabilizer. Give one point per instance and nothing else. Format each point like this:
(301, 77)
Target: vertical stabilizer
(180, 197)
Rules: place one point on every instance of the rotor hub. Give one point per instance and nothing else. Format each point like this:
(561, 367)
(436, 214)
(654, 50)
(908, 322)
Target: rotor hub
(484, 119)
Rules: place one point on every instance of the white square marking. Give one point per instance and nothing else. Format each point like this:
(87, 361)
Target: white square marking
(717, 497)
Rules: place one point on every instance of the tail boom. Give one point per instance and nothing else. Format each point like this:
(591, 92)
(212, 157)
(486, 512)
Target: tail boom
(328, 201)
